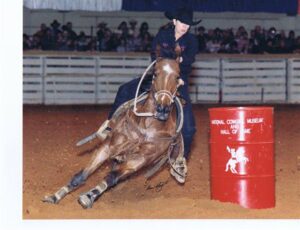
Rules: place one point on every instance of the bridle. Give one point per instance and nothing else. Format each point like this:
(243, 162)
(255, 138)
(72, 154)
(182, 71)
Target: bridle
(157, 93)
(166, 93)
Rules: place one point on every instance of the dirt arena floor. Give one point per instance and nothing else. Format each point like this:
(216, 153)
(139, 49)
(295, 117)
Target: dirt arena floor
(50, 158)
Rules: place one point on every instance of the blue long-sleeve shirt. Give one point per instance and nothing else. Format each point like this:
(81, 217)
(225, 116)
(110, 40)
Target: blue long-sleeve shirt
(188, 44)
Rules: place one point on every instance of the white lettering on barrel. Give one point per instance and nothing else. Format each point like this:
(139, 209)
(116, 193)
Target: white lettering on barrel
(217, 122)
(247, 131)
(231, 122)
(224, 132)
(255, 120)
(234, 126)
(234, 131)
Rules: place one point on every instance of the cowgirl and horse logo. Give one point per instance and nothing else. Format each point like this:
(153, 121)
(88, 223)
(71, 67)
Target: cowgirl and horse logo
(237, 157)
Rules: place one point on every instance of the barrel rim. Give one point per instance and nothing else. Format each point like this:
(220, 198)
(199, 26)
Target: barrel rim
(242, 108)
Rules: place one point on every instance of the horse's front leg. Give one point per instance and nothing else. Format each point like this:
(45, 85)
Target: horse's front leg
(119, 173)
(101, 155)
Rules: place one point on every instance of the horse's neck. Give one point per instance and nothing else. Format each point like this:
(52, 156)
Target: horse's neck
(149, 104)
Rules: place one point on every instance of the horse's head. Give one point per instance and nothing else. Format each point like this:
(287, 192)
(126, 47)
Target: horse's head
(165, 83)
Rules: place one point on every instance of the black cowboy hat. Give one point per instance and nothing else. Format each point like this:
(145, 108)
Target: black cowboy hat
(182, 14)
(55, 23)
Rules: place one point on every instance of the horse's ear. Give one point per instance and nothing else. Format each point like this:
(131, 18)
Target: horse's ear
(178, 52)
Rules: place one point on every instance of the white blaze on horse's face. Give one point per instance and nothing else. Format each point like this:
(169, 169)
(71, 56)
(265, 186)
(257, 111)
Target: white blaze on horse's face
(166, 95)
(168, 69)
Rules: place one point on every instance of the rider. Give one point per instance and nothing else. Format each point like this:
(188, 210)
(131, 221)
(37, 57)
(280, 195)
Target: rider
(176, 32)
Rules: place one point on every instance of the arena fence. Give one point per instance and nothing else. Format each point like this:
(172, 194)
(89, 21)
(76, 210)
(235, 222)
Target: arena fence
(78, 78)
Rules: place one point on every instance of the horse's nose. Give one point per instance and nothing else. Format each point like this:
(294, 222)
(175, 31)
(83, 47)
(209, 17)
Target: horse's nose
(163, 112)
(163, 109)
(159, 108)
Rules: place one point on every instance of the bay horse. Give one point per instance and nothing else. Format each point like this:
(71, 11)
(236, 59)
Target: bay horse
(140, 137)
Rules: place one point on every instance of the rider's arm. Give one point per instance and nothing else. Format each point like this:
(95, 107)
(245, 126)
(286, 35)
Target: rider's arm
(188, 55)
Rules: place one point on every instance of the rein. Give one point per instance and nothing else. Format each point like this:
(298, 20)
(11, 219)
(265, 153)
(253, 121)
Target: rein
(179, 115)
(165, 92)
(137, 92)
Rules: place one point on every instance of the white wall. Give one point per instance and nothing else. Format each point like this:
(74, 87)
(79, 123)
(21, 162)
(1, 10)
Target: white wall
(85, 20)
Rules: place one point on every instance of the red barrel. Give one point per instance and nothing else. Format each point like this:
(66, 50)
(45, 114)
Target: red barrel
(242, 156)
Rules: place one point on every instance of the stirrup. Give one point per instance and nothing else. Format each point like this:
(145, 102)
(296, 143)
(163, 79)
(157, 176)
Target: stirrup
(179, 169)
(103, 130)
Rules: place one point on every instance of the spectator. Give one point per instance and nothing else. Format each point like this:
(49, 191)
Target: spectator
(222, 48)
(291, 41)
(242, 42)
(144, 30)
(270, 48)
(282, 48)
(36, 42)
(133, 41)
(82, 42)
(132, 28)
(146, 43)
(109, 42)
(91, 44)
(42, 32)
(122, 47)
(233, 48)
(55, 29)
(71, 33)
(64, 42)
(202, 39)
(100, 34)
(48, 41)
(123, 30)
(213, 45)
(26, 42)
(256, 43)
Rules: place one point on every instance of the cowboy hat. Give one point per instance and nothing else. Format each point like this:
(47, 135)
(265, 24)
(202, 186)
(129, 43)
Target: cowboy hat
(55, 23)
(182, 14)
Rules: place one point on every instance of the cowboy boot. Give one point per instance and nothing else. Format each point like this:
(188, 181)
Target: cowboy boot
(103, 130)
(179, 169)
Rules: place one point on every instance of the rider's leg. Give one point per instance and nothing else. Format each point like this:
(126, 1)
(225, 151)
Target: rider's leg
(179, 168)
(189, 125)
(125, 93)
(188, 129)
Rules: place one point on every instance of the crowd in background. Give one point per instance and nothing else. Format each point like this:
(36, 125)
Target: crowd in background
(128, 37)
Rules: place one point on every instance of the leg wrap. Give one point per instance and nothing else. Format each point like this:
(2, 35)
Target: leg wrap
(101, 187)
(87, 200)
(61, 193)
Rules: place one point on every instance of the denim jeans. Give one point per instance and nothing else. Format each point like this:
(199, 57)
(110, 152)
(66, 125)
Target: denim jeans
(127, 92)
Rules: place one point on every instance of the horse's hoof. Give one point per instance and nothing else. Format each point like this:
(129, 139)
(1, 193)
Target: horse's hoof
(50, 199)
(85, 201)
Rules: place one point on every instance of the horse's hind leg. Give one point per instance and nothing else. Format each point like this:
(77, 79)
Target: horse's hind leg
(80, 177)
(120, 172)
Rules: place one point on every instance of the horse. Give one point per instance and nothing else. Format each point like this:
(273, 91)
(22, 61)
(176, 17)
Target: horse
(142, 136)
